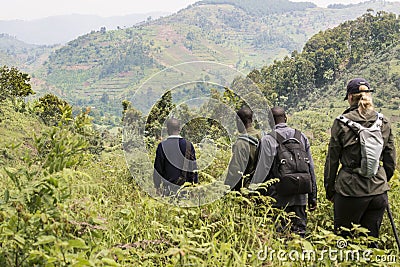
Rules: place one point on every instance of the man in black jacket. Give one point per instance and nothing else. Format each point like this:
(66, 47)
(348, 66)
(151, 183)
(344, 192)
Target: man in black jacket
(175, 161)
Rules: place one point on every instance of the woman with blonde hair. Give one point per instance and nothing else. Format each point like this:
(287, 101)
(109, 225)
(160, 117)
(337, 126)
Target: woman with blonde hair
(358, 199)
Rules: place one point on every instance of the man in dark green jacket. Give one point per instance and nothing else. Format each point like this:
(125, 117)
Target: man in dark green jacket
(244, 157)
(357, 199)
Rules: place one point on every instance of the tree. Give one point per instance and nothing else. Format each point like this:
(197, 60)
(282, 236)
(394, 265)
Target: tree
(14, 84)
(158, 115)
(52, 109)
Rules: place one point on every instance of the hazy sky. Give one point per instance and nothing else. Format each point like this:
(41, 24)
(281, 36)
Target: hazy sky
(31, 9)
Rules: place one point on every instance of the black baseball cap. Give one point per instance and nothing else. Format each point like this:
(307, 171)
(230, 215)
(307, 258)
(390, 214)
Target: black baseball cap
(356, 86)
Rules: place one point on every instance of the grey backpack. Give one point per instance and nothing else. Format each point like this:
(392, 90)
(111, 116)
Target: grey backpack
(371, 142)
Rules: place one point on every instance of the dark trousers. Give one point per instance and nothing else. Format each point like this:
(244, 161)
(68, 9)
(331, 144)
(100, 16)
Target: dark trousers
(297, 222)
(365, 211)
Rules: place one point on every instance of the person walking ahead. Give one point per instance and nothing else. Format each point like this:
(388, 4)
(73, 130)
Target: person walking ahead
(268, 168)
(169, 165)
(358, 199)
(244, 151)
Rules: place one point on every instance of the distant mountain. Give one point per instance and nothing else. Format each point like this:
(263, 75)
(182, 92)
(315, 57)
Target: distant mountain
(27, 57)
(61, 29)
(103, 67)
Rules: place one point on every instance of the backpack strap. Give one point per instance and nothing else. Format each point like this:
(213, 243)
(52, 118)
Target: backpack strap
(252, 140)
(297, 135)
(279, 138)
(356, 127)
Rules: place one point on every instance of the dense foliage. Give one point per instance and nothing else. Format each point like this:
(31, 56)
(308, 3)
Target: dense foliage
(51, 109)
(62, 205)
(329, 55)
(14, 84)
(68, 198)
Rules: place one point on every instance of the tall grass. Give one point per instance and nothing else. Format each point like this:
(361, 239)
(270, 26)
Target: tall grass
(94, 214)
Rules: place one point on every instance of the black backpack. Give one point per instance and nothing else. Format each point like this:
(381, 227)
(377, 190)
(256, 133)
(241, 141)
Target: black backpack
(291, 165)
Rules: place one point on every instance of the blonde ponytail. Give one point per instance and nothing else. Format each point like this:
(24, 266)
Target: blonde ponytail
(364, 101)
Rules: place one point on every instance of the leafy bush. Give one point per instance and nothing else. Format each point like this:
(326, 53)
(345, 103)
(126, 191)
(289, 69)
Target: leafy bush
(13, 83)
(51, 109)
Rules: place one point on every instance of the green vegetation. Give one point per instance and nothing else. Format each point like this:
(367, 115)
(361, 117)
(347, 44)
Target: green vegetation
(360, 47)
(51, 109)
(17, 53)
(67, 196)
(14, 84)
(102, 68)
(63, 205)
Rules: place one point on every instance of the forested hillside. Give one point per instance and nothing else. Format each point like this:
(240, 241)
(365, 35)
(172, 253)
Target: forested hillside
(69, 198)
(14, 52)
(367, 47)
(99, 69)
